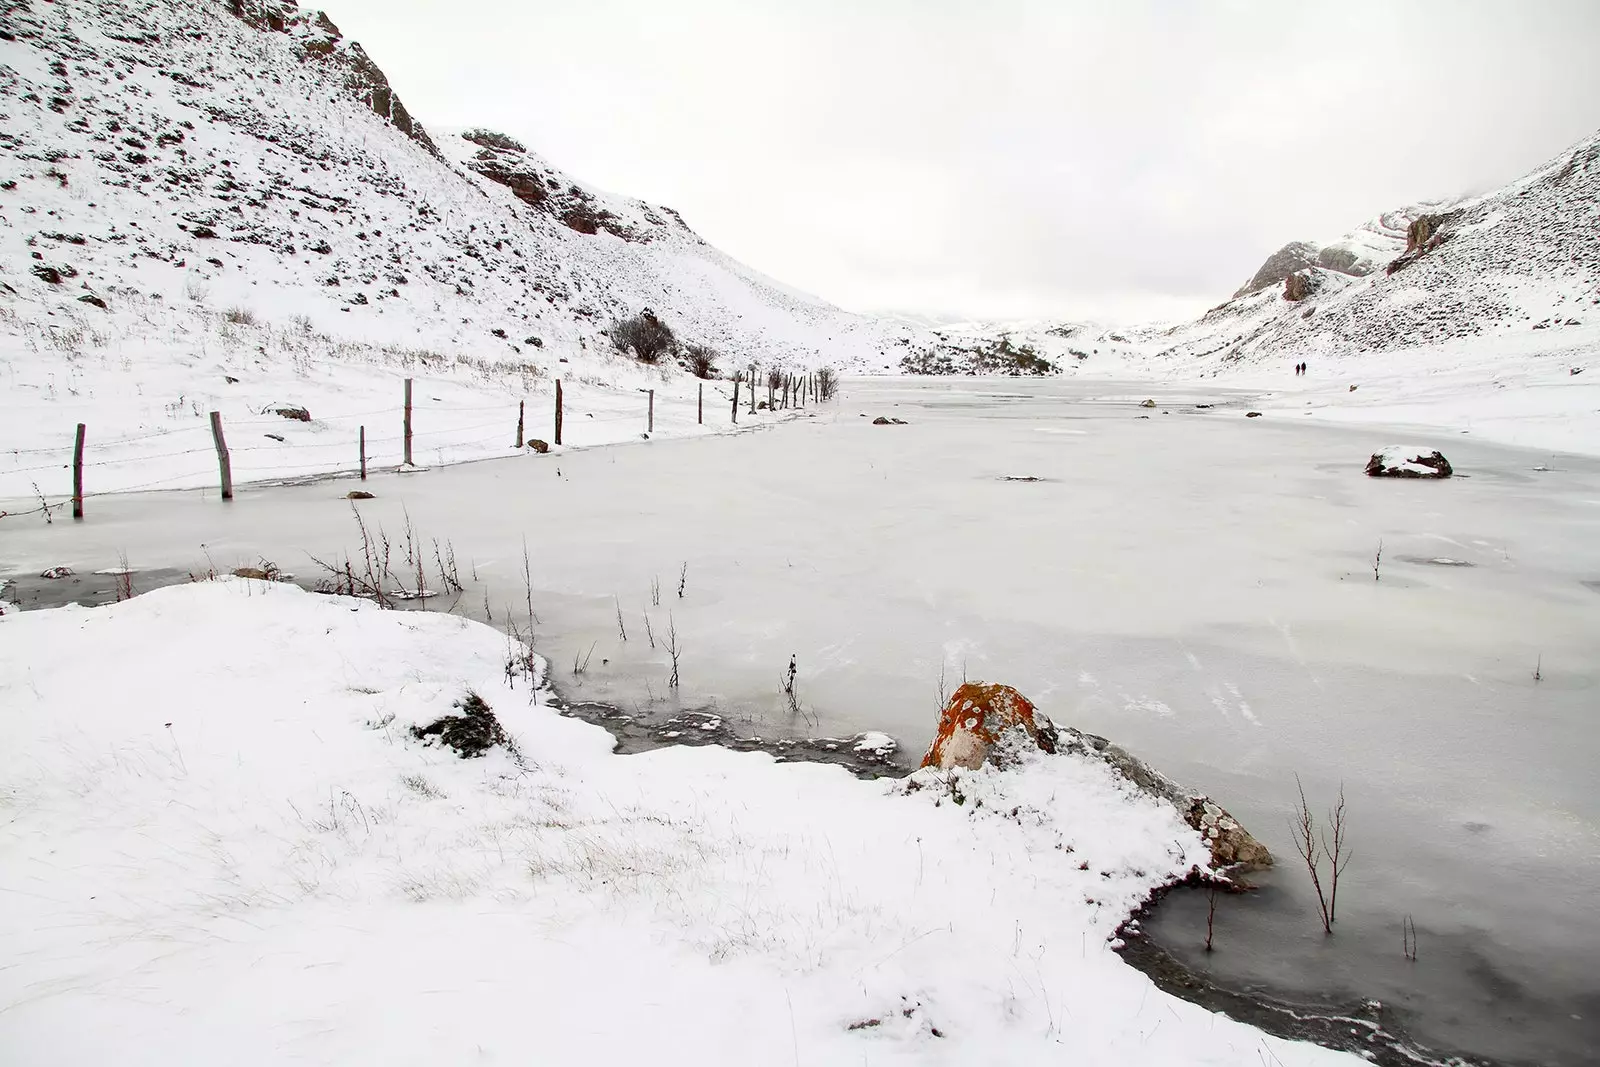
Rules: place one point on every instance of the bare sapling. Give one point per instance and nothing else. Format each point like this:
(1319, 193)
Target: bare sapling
(369, 581)
(1338, 855)
(580, 660)
(527, 588)
(674, 649)
(655, 591)
(1211, 915)
(1377, 561)
(790, 694)
(445, 560)
(622, 631)
(1303, 826)
(683, 578)
(1538, 668)
(124, 583)
(1408, 937)
(648, 632)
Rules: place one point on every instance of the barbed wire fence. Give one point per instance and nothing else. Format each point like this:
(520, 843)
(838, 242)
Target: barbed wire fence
(215, 475)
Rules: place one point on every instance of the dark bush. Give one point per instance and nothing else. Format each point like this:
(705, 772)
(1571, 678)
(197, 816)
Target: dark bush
(702, 360)
(643, 335)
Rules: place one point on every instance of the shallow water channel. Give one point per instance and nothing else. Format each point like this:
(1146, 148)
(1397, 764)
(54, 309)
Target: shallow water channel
(1205, 589)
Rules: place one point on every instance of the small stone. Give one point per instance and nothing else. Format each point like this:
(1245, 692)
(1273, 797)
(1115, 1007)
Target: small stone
(539, 446)
(56, 572)
(358, 494)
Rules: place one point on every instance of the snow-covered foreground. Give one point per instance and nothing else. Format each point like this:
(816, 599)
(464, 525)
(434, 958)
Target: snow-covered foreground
(222, 843)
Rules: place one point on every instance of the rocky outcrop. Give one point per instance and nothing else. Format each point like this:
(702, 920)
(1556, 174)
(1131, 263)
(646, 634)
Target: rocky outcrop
(319, 39)
(1401, 461)
(1299, 285)
(977, 717)
(1425, 233)
(1292, 257)
(504, 161)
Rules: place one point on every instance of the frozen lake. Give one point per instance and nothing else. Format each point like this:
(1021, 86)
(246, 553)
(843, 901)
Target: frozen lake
(1195, 585)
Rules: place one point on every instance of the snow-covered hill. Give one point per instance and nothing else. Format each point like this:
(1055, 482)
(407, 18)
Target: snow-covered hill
(1523, 258)
(225, 205)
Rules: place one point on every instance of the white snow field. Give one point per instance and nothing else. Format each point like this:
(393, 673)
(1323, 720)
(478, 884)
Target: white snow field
(221, 843)
(1198, 586)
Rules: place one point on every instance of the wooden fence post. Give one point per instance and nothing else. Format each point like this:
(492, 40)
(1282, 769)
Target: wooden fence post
(700, 407)
(408, 423)
(77, 475)
(363, 453)
(558, 411)
(521, 407)
(736, 399)
(650, 426)
(223, 463)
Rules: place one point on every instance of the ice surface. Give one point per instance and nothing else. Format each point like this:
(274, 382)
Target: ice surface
(1197, 586)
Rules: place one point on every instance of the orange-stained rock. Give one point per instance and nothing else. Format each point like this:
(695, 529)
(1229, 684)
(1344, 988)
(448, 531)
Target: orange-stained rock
(976, 717)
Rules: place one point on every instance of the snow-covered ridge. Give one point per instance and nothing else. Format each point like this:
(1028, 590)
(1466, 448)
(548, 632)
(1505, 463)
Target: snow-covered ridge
(191, 193)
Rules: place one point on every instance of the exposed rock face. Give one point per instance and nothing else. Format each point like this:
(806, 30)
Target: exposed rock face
(503, 159)
(1401, 461)
(320, 39)
(1425, 233)
(1231, 844)
(1299, 285)
(1292, 257)
(975, 720)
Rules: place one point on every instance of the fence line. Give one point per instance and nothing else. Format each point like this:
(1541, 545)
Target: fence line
(432, 439)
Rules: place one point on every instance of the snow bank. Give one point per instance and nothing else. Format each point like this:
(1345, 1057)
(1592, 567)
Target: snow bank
(221, 841)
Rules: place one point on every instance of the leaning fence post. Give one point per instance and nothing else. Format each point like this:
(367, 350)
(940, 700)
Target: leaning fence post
(700, 407)
(77, 475)
(222, 455)
(650, 426)
(408, 422)
(736, 399)
(363, 453)
(558, 411)
(521, 405)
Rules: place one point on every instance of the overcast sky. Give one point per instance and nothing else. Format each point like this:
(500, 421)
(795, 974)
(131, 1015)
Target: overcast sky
(1001, 158)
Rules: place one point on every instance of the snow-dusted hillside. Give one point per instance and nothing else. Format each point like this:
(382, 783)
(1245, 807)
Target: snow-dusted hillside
(225, 205)
(1525, 257)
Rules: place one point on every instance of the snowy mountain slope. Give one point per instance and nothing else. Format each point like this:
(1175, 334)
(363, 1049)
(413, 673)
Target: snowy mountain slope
(1524, 257)
(191, 193)
(1367, 248)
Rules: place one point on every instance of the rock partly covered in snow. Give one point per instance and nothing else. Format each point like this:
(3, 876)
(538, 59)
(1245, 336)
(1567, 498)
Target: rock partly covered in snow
(1402, 461)
(1232, 846)
(977, 717)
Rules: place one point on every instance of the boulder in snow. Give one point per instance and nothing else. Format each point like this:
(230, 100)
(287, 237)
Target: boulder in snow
(539, 446)
(1401, 461)
(977, 717)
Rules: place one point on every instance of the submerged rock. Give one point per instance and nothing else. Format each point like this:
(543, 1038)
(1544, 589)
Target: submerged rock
(976, 718)
(1400, 461)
